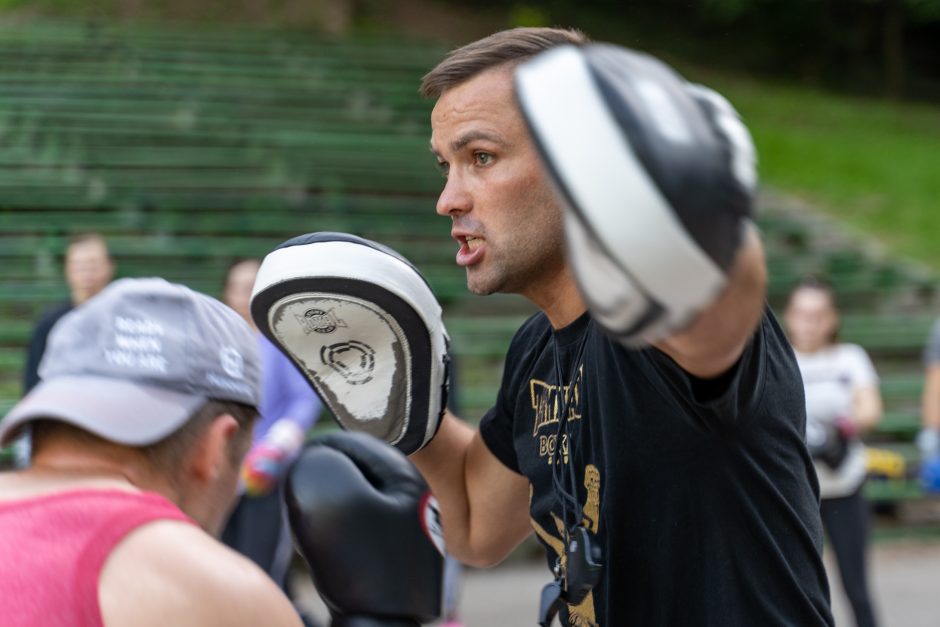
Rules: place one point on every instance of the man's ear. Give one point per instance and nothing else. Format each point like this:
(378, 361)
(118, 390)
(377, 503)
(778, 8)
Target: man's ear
(212, 454)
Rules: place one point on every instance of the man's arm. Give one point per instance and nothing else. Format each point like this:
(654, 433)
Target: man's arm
(868, 407)
(484, 505)
(716, 338)
(930, 400)
(173, 573)
(928, 440)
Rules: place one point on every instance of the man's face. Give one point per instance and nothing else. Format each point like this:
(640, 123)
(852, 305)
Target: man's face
(88, 269)
(505, 217)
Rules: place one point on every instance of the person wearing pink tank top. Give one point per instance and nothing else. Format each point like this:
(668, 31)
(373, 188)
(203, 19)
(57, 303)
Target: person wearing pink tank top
(145, 408)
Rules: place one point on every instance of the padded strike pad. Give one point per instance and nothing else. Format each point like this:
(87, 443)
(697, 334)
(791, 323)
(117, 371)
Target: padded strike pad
(362, 325)
(657, 176)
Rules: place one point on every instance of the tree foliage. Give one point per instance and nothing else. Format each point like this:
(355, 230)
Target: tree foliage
(887, 47)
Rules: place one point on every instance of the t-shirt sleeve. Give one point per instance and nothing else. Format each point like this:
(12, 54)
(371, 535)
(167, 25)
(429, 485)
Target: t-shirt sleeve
(496, 427)
(932, 350)
(861, 369)
(496, 432)
(728, 397)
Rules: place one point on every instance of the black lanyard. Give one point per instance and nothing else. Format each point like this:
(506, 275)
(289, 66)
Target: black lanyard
(582, 564)
(566, 496)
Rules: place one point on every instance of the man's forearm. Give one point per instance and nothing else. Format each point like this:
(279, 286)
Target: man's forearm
(442, 463)
(930, 403)
(484, 505)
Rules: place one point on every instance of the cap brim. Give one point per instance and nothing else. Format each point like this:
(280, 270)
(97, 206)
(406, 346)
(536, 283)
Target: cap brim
(128, 413)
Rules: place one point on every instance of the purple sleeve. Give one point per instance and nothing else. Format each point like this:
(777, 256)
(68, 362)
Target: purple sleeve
(285, 392)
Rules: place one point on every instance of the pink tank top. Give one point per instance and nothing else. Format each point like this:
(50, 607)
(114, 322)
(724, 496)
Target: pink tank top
(52, 549)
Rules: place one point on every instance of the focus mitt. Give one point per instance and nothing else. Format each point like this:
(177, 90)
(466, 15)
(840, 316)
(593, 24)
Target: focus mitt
(658, 177)
(362, 325)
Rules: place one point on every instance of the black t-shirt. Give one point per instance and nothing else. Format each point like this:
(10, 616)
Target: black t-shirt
(37, 343)
(705, 504)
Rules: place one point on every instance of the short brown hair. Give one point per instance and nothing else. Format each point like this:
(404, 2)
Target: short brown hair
(166, 455)
(505, 47)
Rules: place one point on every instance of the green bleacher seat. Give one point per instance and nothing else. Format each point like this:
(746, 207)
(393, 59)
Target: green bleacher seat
(187, 147)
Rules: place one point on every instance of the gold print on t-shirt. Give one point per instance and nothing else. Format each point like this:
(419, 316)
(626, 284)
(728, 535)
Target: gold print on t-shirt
(546, 409)
(592, 481)
(582, 614)
(547, 444)
(556, 543)
(545, 401)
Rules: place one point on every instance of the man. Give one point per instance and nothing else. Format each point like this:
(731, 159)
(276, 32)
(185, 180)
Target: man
(140, 422)
(650, 422)
(684, 461)
(88, 269)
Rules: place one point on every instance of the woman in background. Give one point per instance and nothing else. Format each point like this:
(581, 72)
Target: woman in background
(842, 402)
(257, 528)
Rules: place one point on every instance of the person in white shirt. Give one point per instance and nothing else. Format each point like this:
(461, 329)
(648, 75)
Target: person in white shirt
(843, 401)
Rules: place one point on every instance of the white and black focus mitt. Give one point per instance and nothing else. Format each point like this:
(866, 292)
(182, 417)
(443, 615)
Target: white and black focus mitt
(658, 176)
(363, 326)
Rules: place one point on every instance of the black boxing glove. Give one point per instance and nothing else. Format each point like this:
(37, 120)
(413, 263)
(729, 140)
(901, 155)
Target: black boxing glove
(657, 176)
(363, 326)
(364, 520)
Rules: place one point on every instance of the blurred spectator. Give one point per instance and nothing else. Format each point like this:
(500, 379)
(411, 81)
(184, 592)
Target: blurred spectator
(88, 269)
(258, 526)
(842, 401)
(453, 575)
(135, 465)
(928, 440)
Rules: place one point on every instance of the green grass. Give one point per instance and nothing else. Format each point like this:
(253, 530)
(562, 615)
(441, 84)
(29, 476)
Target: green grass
(871, 163)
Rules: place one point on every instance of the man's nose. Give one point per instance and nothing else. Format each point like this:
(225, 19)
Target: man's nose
(454, 198)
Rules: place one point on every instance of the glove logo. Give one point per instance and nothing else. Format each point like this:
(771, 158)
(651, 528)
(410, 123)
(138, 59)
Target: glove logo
(319, 321)
(353, 360)
(431, 521)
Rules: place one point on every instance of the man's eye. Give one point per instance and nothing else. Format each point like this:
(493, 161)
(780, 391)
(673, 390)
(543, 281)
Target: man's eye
(482, 158)
(444, 168)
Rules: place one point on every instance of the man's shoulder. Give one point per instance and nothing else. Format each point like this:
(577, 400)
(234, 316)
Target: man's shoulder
(187, 578)
(51, 315)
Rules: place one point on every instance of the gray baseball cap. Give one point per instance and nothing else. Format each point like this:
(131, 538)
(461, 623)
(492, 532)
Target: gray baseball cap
(133, 363)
